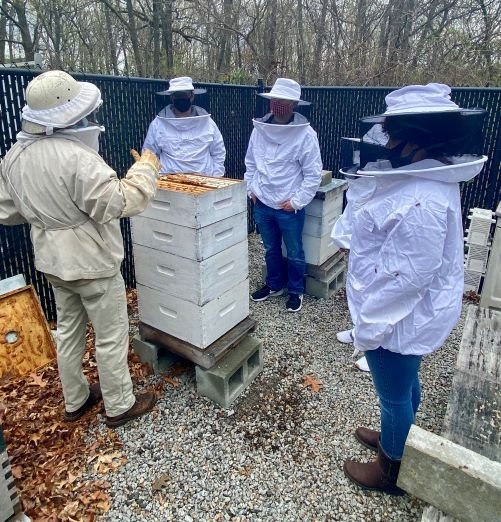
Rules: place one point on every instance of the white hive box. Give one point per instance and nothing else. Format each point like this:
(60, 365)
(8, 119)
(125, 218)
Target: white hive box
(195, 281)
(196, 206)
(318, 249)
(197, 325)
(328, 199)
(192, 243)
(321, 214)
(319, 226)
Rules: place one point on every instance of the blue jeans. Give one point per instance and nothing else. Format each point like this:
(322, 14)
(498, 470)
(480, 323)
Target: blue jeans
(396, 380)
(275, 225)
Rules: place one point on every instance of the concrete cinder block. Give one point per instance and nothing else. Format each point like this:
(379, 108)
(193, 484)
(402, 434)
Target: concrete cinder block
(324, 289)
(224, 382)
(456, 480)
(149, 353)
(326, 270)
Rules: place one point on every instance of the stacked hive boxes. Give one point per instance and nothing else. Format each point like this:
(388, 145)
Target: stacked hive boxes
(190, 252)
(478, 243)
(325, 265)
(321, 214)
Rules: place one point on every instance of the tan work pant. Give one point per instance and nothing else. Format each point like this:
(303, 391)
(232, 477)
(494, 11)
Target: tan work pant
(104, 303)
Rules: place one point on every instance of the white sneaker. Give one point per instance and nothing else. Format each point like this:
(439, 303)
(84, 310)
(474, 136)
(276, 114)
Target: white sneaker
(361, 364)
(345, 337)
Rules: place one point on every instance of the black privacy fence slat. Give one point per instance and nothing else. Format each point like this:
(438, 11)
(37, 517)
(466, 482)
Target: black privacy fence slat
(130, 104)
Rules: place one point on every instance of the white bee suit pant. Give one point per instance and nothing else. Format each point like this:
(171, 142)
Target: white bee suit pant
(102, 301)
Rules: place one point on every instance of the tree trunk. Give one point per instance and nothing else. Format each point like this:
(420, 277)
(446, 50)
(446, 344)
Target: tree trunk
(167, 37)
(138, 59)
(22, 23)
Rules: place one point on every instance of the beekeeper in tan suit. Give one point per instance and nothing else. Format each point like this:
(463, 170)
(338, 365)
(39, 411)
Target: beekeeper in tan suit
(54, 179)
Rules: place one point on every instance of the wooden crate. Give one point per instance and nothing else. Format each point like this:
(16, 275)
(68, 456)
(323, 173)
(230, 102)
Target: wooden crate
(26, 342)
(196, 201)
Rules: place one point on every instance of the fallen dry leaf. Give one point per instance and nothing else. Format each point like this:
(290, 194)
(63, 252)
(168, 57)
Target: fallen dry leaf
(37, 380)
(49, 457)
(173, 382)
(160, 482)
(310, 381)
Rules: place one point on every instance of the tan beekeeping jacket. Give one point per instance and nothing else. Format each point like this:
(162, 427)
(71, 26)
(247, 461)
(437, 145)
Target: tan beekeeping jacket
(73, 201)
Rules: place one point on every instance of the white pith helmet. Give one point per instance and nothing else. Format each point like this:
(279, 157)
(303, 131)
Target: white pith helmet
(55, 100)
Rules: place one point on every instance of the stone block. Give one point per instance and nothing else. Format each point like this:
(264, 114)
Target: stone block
(157, 358)
(9, 500)
(454, 479)
(225, 381)
(326, 177)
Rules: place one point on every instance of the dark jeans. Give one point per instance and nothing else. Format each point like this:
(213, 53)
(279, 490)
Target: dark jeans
(396, 381)
(275, 225)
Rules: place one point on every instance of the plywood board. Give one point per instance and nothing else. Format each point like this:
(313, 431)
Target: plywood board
(26, 342)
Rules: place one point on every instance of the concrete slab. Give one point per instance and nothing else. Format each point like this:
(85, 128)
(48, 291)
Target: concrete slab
(454, 479)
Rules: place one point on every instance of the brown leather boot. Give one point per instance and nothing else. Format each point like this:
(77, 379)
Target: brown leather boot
(369, 438)
(379, 475)
(95, 396)
(144, 403)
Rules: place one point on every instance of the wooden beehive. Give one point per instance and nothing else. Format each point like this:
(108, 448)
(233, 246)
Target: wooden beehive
(191, 259)
(26, 342)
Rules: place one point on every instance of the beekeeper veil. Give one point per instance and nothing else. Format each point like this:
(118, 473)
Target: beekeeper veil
(420, 121)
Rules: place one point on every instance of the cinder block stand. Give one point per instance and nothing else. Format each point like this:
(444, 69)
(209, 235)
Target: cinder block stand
(225, 381)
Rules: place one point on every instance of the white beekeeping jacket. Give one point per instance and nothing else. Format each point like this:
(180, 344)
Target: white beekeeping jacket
(283, 162)
(405, 276)
(192, 144)
(359, 191)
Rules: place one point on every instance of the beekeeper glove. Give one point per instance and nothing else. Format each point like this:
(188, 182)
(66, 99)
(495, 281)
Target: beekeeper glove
(147, 157)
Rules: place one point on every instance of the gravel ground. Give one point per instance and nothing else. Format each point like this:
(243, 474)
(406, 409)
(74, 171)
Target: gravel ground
(277, 455)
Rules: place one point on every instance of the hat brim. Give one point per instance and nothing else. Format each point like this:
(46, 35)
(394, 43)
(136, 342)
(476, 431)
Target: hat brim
(168, 92)
(269, 97)
(379, 118)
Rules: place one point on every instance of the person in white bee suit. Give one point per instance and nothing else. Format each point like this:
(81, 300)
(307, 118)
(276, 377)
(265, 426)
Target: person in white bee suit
(359, 189)
(184, 136)
(54, 179)
(405, 276)
(283, 173)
